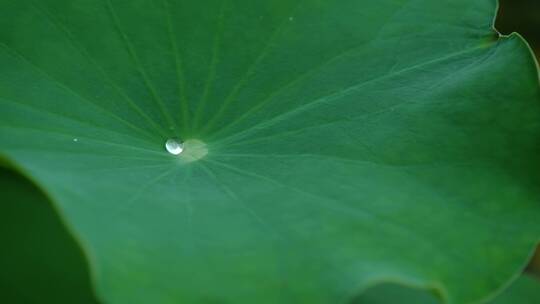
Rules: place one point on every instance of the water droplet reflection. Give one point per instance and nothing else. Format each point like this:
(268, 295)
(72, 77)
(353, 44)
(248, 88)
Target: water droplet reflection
(174, 146)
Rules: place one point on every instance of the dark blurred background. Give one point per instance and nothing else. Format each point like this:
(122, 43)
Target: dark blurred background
(522, 16)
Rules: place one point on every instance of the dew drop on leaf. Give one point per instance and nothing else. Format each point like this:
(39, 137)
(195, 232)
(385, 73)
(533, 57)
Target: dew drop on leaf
(174, 146)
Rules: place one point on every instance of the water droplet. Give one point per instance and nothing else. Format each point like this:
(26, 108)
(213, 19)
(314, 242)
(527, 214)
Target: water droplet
(291, 18)
(174, 146)
(75, 139)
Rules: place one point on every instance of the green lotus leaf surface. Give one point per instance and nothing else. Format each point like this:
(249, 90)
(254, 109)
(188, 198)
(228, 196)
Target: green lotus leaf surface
(328, 146)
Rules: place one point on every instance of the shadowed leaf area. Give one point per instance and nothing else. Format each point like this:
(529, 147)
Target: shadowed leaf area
(319, 147)
(40, 261)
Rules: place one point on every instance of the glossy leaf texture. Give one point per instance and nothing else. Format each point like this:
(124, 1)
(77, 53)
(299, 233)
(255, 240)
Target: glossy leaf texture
(329, 145)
